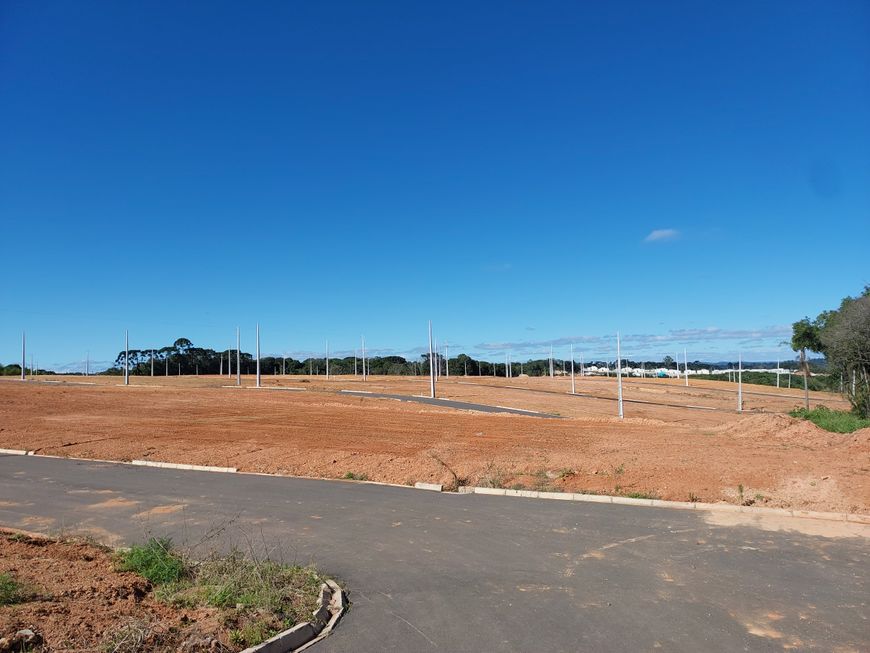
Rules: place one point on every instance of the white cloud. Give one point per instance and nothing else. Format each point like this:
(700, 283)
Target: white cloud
(661, 235)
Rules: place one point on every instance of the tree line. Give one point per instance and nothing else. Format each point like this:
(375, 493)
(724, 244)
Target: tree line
(842, 335)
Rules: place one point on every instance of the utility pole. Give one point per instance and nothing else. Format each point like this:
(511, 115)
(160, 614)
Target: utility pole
(222, 364)
(258, 354)
(686, 363)
(88, 363)
(166, 361)
(284, 365)
(431, 365)
(126, 359)
(573, 390)
(446, 360)
(551, 361)
(23, 356)
(238, 357)
(739, 383)
(777, 374)
(152, 362)
(582, 371)
(363, 345)
(327, 360)
(619, 374)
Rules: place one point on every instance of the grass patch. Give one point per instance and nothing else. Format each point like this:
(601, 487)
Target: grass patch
(353, 476)
(492, 477)
(641, 495)
(155, 560)
(257, 598)
(836, 421)
(11, 591)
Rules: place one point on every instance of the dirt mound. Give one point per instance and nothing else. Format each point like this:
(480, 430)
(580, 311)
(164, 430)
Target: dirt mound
(76, 600)
(786, 429)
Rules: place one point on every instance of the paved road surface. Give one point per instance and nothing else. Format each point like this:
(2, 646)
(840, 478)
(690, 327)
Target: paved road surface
(433, 572)
(449, 403)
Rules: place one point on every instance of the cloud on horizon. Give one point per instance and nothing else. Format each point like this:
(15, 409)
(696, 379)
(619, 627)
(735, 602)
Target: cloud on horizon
(661, 235)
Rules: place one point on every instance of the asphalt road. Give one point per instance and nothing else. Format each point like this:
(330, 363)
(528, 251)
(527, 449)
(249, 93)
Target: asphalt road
(450, 403)
(437, 572)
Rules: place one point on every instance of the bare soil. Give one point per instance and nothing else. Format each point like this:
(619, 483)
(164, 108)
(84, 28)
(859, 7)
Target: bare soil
(664, 449)
(78, 602)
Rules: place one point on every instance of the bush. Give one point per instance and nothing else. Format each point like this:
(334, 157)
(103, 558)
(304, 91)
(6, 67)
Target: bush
(10, 591)
(155, 561)
(836, 421)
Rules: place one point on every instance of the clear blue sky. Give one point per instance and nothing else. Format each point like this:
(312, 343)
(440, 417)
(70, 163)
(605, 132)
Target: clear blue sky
(335, 169)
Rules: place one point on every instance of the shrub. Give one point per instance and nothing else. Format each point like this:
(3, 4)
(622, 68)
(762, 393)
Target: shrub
(154, 560)
(836, 421)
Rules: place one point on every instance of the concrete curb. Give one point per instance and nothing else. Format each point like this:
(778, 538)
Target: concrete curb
(855, 518)
(434, 487)
(196, 468)
(330, 608)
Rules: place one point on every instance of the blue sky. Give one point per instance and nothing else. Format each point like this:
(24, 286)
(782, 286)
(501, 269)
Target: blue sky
(525, 174)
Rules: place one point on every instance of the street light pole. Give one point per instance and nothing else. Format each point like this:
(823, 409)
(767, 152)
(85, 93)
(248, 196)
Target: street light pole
(238, 357)
(258, 354)
(431, 365)
(126, 359)
(573, 390)
(619, 373)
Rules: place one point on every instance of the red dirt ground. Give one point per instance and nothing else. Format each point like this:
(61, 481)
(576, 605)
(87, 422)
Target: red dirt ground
(670, 452)
(78, 602)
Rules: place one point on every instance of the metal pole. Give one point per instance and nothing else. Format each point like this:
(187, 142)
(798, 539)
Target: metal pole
(677, 363)
(222, 364)
(238, 357)
(363, 341)
(777, 372)
(551, 361)
(619, 373)
(431, 365)
(88, 363)
(573, 390)
(152, 362)
(739, 383)
(126, 359)
(327, 360)
(258, 354)
(23, 356)
(582, 370)
(686, 364)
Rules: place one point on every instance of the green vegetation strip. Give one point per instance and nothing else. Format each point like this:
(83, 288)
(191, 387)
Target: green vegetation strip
(257, 599)
(837, 421)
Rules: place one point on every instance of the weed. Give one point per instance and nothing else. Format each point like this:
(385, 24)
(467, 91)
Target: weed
(353, 476)
(759, 497)
(565, 473)
(130, 637)
(155, 560)
(694, 498)
(492, 477)
(619, 471)
(641, 495)
(740, 493)
(518, 486)
(837, 421)
(11, 590)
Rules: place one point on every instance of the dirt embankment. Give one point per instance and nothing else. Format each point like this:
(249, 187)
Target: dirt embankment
(670, 452)
(74, 600)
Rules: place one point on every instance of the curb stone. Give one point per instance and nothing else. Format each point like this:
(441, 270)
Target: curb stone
(15, 452)
(197, 468)
(331, 606)
(434, 487)
(856, 518)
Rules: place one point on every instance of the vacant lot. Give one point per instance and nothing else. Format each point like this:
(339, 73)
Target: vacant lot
(675, 443)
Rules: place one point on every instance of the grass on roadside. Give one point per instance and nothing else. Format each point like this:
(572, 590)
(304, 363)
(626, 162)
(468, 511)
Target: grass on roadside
(836, 421)
(11, 591)
(353, 476)
(256, 598)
